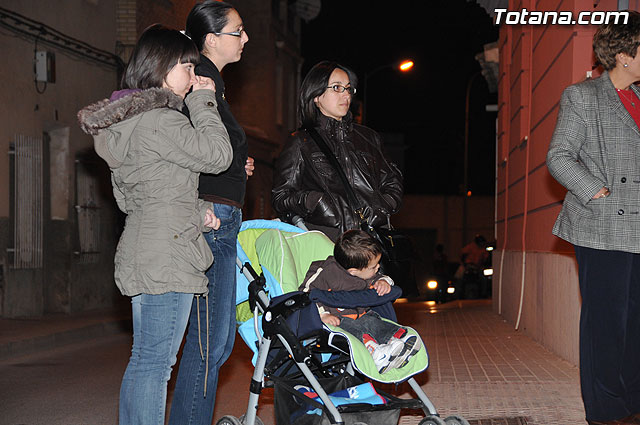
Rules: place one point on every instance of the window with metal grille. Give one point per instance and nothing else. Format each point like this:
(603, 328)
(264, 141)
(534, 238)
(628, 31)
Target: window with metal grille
(26, 194)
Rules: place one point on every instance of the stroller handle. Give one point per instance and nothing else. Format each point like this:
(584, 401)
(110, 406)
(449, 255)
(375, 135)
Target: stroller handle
(295, 219)
(299, 222)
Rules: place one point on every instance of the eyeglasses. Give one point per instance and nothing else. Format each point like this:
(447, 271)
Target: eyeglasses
(340, 89)
(234, 33)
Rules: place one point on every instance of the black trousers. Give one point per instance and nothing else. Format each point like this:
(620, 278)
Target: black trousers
(609, 333)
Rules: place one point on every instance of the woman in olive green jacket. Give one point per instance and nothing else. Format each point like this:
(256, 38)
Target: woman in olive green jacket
(155, 155)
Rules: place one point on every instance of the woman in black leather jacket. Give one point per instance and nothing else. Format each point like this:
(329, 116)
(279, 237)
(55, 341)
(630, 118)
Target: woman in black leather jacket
(307, 185)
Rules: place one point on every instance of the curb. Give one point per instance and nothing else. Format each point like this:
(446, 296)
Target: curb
(60, 339)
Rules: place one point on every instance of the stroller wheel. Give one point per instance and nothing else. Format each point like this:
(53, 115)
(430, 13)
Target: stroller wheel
(455, 420)
(432, 420)
(229, 420)
(257, 422)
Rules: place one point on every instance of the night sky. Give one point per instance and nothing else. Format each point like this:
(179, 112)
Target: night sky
(426, 105)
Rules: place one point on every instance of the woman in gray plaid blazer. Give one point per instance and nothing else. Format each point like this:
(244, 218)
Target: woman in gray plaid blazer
(595, 154)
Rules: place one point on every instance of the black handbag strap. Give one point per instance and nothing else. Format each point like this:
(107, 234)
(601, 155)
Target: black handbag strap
(353, 200)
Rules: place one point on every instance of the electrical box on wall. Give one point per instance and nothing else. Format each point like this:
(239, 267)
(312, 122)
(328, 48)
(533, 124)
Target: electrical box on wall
(45, 67)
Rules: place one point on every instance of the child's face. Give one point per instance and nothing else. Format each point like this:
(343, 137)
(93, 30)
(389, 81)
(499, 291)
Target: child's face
(369, 271)
(180, 79)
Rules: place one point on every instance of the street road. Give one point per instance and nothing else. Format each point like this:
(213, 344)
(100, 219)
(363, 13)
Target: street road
(79, 385)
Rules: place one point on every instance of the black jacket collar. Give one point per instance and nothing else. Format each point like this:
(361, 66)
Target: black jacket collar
(332, 126)
(207, 68)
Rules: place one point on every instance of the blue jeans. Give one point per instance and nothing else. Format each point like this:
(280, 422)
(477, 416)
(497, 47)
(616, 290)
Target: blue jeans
(190, 405)
(159, 323)
(370, 323)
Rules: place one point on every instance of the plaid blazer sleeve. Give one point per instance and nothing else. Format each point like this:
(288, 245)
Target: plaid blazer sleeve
(565, 158)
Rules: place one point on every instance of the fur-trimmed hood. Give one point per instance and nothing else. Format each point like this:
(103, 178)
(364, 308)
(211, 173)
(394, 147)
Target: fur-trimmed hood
(107, 112)
(123, 110)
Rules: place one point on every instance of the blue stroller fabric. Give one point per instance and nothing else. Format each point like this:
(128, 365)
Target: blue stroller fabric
(295, 402)
(363, 393)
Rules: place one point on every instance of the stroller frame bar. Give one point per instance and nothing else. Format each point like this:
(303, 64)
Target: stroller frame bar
(328, 404)
(263, 351)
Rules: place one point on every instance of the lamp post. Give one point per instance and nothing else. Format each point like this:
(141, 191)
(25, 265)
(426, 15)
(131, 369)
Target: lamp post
(402, 66)
(465, 179)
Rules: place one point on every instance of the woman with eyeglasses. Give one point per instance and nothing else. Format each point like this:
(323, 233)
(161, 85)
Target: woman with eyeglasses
(306, 184)
(218, 31)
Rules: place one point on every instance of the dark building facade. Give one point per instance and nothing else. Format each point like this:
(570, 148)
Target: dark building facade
(58, 222)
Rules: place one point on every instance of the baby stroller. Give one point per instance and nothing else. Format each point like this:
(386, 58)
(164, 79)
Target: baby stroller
(319, 372)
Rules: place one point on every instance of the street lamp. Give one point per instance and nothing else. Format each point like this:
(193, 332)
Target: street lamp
(406, 65)
(465, 179)
(402, 66)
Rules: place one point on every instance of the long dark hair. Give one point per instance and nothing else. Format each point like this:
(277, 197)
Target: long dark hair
(207, 17)
(313, 85)
(157, 51)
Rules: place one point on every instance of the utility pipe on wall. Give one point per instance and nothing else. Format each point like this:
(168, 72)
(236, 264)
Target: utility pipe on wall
(526, 174)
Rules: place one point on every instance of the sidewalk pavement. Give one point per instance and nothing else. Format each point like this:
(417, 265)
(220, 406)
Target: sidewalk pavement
(480, 367)
(484, 370)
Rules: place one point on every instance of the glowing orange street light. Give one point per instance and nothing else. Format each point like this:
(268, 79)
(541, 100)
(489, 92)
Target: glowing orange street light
(403, 66)
(406, 65)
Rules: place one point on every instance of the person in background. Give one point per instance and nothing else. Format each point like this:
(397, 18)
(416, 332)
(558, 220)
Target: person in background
(440, 261)
(306, 184)
(155, 156)
(474, 254)
(595, 154)
(218, 31)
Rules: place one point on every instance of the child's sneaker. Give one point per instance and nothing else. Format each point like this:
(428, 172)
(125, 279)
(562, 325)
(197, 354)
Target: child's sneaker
(410, 346)
(384, 354)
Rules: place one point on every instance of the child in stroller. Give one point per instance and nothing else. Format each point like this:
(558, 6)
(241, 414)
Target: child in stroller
(355, 266)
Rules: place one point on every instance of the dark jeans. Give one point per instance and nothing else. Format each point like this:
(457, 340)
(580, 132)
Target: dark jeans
(189, 404)
(159, 322)
(370, 323)
(609, 333)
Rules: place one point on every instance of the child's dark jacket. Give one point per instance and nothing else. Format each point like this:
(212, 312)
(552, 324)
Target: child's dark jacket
(328, 275)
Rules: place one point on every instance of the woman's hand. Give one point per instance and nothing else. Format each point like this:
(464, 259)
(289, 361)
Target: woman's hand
(330, 319)
(204, 83)
(210, 220)
(249, 167)
(382, 287)
(602, 193)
